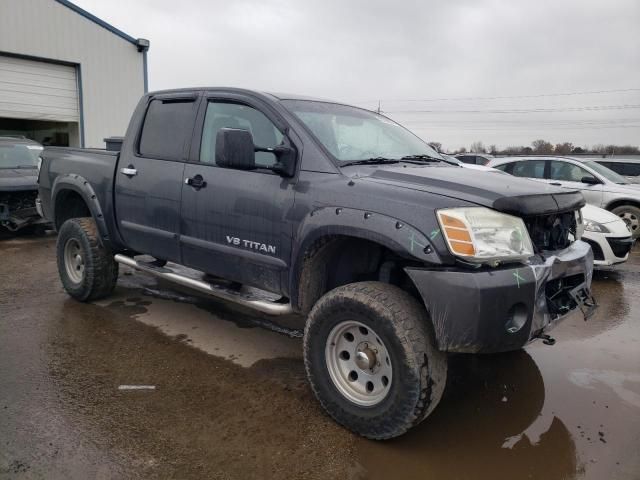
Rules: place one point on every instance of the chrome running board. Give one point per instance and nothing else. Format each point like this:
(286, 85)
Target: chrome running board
(264, 306)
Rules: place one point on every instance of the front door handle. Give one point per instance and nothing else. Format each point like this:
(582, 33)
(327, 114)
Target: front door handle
(557, 184)
(196, 182)
(129, 171)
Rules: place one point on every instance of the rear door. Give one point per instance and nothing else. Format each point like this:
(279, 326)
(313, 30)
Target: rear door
(569, 175)
(532, 169)
(149, 180)
(235, 222)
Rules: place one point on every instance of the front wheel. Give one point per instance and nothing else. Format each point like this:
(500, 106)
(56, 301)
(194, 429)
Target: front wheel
(371, 359)
(631, 216)
(87, 269)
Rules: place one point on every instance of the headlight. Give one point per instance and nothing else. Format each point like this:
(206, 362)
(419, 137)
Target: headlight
(593, 226)
(482, 235)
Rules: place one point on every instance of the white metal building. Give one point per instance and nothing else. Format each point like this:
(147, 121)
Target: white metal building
(66, 77)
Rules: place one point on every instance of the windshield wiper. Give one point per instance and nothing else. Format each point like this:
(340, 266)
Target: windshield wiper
(427, 158)
(370, 161)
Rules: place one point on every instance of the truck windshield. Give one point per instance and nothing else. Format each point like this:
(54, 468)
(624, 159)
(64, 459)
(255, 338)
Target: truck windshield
(19, 156)
(353, 134)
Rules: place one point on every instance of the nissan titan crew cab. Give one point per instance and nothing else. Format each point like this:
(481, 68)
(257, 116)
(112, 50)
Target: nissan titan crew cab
(392, 254)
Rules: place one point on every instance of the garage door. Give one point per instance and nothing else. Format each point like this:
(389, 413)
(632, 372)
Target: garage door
(38, 90)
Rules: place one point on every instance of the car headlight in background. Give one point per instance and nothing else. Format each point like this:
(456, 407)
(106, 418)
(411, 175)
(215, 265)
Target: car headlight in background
(593, 226)
(482, 235)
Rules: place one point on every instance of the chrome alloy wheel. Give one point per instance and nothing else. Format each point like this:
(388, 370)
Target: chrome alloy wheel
(358, 363)
(74, 260)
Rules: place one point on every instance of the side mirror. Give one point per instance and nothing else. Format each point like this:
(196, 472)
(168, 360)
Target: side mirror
(589, 180)
(234, 149)
(286, 156)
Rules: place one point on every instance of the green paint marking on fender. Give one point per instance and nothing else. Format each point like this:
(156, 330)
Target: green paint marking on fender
(434, 234)
(413, 242)
(518, 277)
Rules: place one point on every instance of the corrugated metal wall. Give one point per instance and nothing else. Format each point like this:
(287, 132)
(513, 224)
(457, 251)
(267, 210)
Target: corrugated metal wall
(110, 67)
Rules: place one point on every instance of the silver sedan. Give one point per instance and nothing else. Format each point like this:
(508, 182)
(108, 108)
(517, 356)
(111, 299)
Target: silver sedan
(600, 186)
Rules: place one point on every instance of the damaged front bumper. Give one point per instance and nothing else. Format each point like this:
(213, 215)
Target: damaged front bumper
(502, 309)
(15, 219)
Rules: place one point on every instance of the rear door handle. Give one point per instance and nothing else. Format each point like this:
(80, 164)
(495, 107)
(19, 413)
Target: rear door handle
(556, 184)
(129, 171)
(196, 182)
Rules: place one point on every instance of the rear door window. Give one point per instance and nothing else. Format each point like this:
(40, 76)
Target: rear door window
(529, 169)
(167, 128)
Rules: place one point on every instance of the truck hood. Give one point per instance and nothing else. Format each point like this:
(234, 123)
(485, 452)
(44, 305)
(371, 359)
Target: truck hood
(505, 193)
(18, 179)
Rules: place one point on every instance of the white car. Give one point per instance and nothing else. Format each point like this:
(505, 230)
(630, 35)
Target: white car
(608, 235)
(600, 186)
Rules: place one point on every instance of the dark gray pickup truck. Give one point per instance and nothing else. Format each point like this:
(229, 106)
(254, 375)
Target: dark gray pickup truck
(393, 255)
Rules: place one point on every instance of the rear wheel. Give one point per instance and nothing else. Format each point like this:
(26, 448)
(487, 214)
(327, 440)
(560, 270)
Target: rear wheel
(631, 216)
(371, 359)
(87, 270)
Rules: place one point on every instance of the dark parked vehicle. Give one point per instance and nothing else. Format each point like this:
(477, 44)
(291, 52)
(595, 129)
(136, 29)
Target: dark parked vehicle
(339, 214)
(627, 167)
(475, 158)
(19, 184)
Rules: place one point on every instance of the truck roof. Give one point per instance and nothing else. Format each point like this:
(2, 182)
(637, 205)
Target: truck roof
(273, 95)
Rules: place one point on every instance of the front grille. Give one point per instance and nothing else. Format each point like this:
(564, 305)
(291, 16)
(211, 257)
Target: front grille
(620, 246)
(598, 254)
(552, 232)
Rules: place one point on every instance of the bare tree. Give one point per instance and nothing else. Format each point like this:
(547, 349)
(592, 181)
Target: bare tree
(563, 148)
(542, 147)
(478, 147)
(437, 146)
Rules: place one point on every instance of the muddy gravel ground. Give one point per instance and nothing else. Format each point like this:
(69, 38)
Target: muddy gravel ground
(230, 400)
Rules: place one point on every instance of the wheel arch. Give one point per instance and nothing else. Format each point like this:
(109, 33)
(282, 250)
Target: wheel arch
(72, 196)
(620, 202)
(336, 257)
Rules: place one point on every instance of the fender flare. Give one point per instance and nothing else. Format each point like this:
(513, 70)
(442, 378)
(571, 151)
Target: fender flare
(82, 187)
(398, 236)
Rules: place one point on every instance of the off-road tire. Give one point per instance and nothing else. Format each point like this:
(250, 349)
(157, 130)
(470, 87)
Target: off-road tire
(632, 211)
(419, 369)
(100, 269)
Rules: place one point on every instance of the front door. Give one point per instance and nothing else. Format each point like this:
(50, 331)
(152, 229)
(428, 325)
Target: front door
(234, 222)
(149, 178)
(569, 175)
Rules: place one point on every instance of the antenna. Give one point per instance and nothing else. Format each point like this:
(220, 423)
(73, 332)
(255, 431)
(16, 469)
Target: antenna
(379, 110)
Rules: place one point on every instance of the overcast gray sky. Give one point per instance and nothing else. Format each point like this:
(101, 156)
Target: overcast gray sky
(426, 57)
